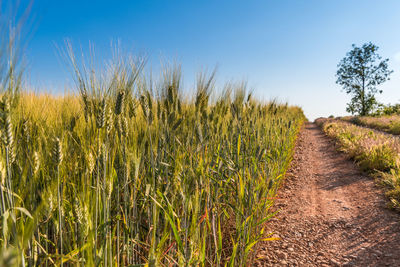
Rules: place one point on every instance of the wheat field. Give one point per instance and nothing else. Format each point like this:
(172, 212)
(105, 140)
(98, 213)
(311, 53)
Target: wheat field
(127, 171)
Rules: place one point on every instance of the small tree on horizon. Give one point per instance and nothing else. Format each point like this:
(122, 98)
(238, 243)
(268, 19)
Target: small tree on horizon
(359, 73)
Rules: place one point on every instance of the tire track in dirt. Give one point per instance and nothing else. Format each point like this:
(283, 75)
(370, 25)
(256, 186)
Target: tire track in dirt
(331, 213)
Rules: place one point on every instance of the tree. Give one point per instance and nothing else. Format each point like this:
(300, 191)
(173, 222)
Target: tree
(359, 73)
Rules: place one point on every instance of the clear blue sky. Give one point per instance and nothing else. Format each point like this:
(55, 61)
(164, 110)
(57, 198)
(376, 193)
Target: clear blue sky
(284, 49)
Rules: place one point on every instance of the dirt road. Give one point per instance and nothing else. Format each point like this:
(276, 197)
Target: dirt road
(331, 213)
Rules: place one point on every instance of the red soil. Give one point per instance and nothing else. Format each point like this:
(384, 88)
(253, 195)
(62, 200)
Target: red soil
(331, 213)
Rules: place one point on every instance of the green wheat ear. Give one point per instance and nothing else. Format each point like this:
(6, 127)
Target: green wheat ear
(120, 102)
(8, 131)
(7, 124)
(145, 106)
(101, 114)
(36, 162)
(57, 152)
(132, 109)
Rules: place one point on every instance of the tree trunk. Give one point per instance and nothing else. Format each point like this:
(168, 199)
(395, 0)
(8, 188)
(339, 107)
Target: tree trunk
(363, 104)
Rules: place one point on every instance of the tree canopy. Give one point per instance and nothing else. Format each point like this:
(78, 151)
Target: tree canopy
(359, 73)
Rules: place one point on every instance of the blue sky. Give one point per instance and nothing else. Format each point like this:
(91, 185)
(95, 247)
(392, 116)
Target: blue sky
(284, 49)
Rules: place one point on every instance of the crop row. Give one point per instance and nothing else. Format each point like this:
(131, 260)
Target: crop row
(375, 152)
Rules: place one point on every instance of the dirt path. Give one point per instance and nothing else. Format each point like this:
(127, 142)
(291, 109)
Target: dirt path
(331, 214)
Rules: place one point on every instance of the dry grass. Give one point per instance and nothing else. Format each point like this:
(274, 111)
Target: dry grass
(375, 152)
(389, 124)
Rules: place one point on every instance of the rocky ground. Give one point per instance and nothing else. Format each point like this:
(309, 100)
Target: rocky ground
(331, 214)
